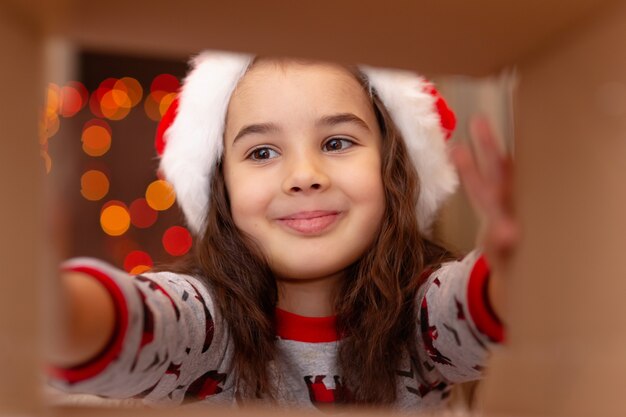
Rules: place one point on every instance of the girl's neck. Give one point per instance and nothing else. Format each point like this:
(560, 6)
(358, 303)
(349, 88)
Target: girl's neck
(308, 297)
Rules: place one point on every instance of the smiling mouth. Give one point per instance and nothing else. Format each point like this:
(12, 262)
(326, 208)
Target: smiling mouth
(313, 222)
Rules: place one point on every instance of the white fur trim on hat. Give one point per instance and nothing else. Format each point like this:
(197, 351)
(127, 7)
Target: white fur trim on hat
(413, 110)
(194, 141)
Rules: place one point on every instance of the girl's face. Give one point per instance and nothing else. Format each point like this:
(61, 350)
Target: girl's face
(302, 167)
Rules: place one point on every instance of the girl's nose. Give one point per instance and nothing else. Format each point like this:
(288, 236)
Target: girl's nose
(305, 174)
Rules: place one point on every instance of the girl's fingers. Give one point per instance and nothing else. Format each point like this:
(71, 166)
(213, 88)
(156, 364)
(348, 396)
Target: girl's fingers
(495, 166)
(504, 235)
(481, 196)
(487, 177)
(486, 149)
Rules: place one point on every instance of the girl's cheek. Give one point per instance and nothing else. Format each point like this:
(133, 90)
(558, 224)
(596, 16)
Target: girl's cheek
(248, 194)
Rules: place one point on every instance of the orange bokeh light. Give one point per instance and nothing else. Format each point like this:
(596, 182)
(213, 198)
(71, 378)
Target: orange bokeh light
(166, 101)
(140, 269)
(115, 219)
(51, 125)
(96, 138)
(160, 195)
(115, 104)
(53, 99)
(151, 107)
(120, 96)
(133, 89)
(113, 99)
(108, 103)
(94, 185)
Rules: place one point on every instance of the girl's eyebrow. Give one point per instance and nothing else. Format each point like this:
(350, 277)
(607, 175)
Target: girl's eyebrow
(330, 120)
(259, 128)
(339, 118)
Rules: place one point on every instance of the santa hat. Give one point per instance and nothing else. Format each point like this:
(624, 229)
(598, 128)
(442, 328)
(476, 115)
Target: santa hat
(190, 136)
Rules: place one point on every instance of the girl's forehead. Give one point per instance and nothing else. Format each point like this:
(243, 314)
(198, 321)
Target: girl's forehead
(317, 86)
(270, 77)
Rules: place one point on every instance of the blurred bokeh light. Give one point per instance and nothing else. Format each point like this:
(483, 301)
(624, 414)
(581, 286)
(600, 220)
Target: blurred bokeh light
(118, 247)
(177, 240)
(163, 90)
(137, 262)
(160, 195)
(94, 185)
(114, 98)
(74, 97)
(96, 137)
(115, 218)
(51, 121)
(94, 131)
(133, 89)
(141, 214)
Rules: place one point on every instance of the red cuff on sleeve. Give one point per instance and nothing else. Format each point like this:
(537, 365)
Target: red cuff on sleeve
(113, 348)
(479, 306)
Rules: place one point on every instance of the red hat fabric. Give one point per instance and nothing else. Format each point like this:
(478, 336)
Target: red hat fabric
(164, 124)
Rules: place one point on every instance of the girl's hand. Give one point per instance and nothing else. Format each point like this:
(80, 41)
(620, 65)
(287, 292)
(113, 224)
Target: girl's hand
(86, 320)
(487, 176)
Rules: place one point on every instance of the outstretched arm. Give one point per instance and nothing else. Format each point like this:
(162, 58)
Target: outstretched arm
(487, 176)
(461, 304)
(150, 336)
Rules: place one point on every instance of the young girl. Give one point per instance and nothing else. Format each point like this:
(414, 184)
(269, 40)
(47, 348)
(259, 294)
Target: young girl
(311, 189)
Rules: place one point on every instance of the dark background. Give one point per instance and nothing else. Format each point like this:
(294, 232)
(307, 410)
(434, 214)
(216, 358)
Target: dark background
(130, 164)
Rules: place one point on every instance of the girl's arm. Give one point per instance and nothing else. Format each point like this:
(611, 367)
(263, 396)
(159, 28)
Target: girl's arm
(462, 303)
(457, 327)
(487, 176)
(150, 336)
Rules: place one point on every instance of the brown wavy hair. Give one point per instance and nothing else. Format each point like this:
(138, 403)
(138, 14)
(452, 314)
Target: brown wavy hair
(375, 304)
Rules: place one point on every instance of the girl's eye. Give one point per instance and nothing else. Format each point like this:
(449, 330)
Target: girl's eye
(337, 144)
(260, 154)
